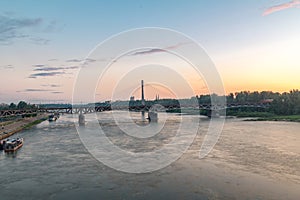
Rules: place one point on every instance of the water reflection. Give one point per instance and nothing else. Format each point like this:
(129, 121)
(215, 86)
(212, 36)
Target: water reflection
(11, 154)
(252, 160)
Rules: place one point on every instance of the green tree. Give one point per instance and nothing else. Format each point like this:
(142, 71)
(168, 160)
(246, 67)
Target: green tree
(12, 106)
(230, 98)
(22, 105)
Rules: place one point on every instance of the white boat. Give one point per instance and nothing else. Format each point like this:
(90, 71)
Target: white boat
(11, 145)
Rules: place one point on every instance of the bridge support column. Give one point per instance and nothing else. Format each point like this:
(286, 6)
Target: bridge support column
(213, 114)
(81, 119)
(152, 116)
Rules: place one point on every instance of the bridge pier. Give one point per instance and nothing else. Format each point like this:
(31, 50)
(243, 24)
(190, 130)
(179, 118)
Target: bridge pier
(81, 119)
(212, 114)
(152, 116)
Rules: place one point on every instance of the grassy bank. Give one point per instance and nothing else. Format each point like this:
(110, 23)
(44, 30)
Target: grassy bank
(289, 118)
(257, 116)
(252, 114)
(265, 116)
(29, 125)
(19, 125)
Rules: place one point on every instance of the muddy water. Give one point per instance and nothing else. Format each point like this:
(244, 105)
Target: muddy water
(252, 160)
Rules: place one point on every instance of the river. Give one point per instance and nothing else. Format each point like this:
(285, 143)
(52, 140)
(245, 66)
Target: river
(252, 160)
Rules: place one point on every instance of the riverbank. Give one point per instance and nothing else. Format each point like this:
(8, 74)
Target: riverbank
(255, 116)
(288, 118)
(9, 128)
(265, 116)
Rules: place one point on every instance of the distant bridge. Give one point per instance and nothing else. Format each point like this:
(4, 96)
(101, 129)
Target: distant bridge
(102, 108)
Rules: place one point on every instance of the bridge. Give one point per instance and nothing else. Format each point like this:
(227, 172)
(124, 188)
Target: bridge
(142, 105)
(101, 108)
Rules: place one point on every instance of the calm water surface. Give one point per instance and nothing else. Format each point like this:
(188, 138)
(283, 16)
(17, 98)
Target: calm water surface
(252, 160)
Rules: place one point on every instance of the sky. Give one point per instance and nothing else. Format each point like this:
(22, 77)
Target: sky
(254, 45)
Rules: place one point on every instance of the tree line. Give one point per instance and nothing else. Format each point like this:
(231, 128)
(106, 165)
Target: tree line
(287, 103)
(21, 105)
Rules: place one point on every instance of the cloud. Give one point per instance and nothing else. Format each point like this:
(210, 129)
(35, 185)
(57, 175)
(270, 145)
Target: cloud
(90, 60)
(51, 85)
(34, 90)
(38, 65)
(71, 67)
(177, 45)
(47, 69)
(40, 41)
(42, 70)
(280, 7)
(12, 28)
(73, 60)
(39, 90)
(7, 67)
(157, 50)
(45, 74)
(150, 51)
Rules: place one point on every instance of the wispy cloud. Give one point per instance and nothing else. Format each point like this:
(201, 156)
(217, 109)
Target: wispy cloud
(74, 60)
(81, 60)
(7, 67)
(291, 4)
(44, 70)
(38, 65)
(12, 28)
(51, 85)
(71, 67)
(90, 60)
(158, 50)
(34, 90)
(47, 69)
(40, 41)
(149, 51)
(177, 45)
(39, 90)
(45, 74)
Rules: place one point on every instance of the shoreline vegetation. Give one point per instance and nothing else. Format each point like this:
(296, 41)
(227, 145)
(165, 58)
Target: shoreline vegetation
(9, 128)
(253, 115)
(276, 107)
(287, 118)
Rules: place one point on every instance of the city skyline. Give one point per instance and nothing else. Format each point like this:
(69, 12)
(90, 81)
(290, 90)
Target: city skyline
(254, 45)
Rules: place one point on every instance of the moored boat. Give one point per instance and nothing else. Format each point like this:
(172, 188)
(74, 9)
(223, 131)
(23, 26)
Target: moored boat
(52, 118)
(1, 145)
(11, 145)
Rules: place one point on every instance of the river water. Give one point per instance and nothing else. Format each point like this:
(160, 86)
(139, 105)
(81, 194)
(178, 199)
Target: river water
(252, 160)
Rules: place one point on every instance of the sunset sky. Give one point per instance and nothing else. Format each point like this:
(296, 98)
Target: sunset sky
(254, 45)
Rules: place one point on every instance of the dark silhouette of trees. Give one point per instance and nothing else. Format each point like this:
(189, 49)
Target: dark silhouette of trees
(287, 103)
(21, 105)
(12, 106)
